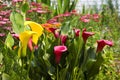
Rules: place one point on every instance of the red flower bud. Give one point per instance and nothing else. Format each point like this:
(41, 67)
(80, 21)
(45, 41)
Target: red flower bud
(102, 43)
(58, 50)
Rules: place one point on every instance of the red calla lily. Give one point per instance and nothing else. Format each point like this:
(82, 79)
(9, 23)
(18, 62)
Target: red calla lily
(102, 43)
(86, 34)
(56, 33)
(58, 50)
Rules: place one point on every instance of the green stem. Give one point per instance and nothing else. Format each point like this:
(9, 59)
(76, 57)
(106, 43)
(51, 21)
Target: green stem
(22, 61)
(57, 73)
(30, 62)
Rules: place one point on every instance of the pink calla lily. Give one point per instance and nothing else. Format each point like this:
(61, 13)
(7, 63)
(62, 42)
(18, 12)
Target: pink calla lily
(102, 43)
(58, 50)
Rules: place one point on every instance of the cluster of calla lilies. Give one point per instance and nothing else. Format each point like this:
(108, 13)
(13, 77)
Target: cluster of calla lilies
(58, 50)
(28, 38)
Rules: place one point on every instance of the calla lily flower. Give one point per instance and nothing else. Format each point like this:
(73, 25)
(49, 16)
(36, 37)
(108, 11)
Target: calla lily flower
(63, 39)
(29, 37)
(51, 25)
(36, 28)
(24, 39)
(77, 32)
(47, 26)
(58, 50)
(56, 24)
(102, 43)
(56, 33)
(86, 34)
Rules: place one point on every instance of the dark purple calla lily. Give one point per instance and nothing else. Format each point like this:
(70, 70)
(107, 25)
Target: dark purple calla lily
(58, 50)
(86, 34)
(102, 43)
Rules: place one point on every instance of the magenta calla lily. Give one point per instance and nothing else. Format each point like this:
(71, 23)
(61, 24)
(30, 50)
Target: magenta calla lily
(58, 50)
(63, 39)
(86, 34)
(102, 43)
(77, 32)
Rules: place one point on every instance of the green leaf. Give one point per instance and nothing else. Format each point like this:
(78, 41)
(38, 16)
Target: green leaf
(89, 63)
(51, 72)
(59, 8)
(66, 5)
(73, 5)
(9, 42)
(17, 22)
(1, 57)
(25, 7)
(94, 70)
(65, 28)
(5, 76)
(38, 0)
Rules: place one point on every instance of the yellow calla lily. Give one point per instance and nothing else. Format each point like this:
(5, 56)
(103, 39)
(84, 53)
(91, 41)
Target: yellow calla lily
(24, 38)
(36, 28)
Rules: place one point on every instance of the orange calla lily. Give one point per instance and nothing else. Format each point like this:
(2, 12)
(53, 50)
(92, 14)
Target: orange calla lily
(48, 25)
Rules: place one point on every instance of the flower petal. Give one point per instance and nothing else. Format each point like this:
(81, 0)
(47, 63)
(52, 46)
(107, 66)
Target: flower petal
(24, 38)
(58, 50)
(36, 28)
(86, 34)
(102, 43)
